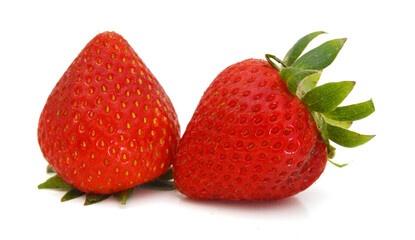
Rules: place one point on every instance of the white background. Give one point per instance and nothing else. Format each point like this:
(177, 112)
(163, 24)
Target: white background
(186, 44)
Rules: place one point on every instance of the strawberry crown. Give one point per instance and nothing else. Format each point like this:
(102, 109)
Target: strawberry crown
(301, 74)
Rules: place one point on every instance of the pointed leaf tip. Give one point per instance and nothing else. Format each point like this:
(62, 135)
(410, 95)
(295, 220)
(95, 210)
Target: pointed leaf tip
(298, 48)
(327, 97)
(347, 138)
(321, 56)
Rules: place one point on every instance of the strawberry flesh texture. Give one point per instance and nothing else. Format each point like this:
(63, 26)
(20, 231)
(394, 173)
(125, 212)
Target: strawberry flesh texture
(249, 139)
(108, 125)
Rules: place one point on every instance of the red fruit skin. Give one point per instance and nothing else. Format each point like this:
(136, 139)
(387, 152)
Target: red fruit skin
(249, 139)
(108, 125)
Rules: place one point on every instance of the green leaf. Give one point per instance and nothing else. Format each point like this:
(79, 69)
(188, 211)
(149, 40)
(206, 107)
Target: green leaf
(321, 56)
(295, 79)
(307, 84)
(123, 195)
(288, 72)
(299, 47)
(158, 185)
(327, 97)
(92, 198)
(55, 182)
(342, 124)
(49, 169)
(352, 112)
(322, 127)
(345, 137)
(338, 164)
(72, 194)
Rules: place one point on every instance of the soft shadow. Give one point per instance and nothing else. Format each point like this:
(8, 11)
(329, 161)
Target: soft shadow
(288, 207)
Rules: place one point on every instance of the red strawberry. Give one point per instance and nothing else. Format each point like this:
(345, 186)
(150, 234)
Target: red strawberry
(108, 125)
(262, 131)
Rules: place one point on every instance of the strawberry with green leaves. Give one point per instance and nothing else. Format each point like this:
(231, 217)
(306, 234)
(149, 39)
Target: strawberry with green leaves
(107, 125)
(263, 129)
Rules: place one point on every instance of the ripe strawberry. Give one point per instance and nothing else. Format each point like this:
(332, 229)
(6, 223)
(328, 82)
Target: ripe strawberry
(262, 131)
(108, 125)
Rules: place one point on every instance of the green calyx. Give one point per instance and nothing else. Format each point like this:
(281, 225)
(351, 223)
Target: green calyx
(302, 73)
(164, 182)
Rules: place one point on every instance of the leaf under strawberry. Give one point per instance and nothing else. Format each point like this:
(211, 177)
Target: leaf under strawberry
(108, 124)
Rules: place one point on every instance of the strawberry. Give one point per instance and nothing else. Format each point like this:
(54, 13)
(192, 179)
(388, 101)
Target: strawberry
(263, 130)
(107, 125)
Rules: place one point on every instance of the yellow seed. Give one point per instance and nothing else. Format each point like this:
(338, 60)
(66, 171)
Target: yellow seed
(146, 107)
(99, 172)
(93, 133)
(124, 156)
(83, 165)
(113, 56)
(139, 175)
(116, 47)
(118, 86)
(140, 132)
(111, 129)
(140, 81)
(75, 153)
(107, 109)
(133, 115)
(162, 166)
(133, 62)
(148, 96)
(120, 70)
(132, 70)
(100, 122)
(104, 89)
(102, 143)
(113, 97)
(136, 103)
(76, 118)
(118, 116)
(131, 144)
(147, 163)
(135, 162)
(121, 138)
(152, 133)
(106, 161)
(123, 59)
(141, 149)
(116, 170)
(127, 93)
(128, 125)
(154, 121)
(149, 87)
(58, 112)
(123, 104)
(74, 171)
(109, 76)
(126, 173)
(128, 80)
(138, 92)
(92, 155)
(109, 66)
(113, 150)
(98, 51)
(90, 177)
(109, 180)
(145, 120)
(141, 73)
(83, 144)
(131, 182)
